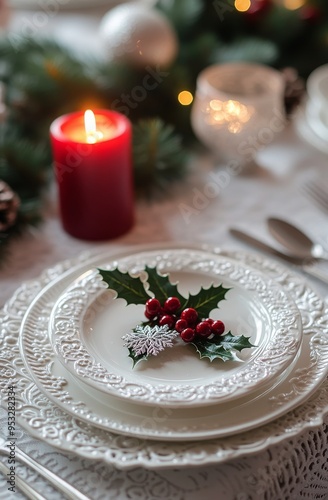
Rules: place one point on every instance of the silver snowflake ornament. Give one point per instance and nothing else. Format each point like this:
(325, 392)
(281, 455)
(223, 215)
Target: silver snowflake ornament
(149, 340)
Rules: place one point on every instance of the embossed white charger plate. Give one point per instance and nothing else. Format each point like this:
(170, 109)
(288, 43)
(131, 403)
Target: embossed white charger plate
(87, 325)
(44, 420)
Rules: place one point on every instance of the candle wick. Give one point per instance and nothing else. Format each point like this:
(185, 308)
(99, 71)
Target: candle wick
(93, 137)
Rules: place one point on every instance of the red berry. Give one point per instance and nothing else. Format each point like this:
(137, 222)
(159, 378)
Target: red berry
(167, 320)
(180, 325)
(190, 315)
(204, 329)
(172, 304)
(209, 320)
(188, 334)
(149, 316)
(153, 306)
(161, 312)
(218, 327)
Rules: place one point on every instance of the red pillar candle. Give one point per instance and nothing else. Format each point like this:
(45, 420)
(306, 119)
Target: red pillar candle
(93, 166)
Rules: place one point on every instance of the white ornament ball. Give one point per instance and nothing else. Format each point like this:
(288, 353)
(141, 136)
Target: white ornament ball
(139, 35)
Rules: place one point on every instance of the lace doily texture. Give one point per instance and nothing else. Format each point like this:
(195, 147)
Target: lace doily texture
(296, 469)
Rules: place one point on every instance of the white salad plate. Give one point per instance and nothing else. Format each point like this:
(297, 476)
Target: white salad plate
(87, 325)
(46, 421)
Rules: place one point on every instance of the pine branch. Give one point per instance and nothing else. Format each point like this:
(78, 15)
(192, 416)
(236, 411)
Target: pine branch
(159, 158)
(23, 165)
(183, 14)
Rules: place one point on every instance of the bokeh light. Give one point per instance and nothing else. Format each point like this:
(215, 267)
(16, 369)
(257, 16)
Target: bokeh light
(294, 4)
(242, 5)
(185, 98)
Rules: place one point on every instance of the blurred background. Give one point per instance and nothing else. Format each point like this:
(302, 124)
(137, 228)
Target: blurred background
(142, 59)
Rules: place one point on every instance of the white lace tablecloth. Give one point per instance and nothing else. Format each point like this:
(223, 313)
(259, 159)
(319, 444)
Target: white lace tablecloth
(295, 469)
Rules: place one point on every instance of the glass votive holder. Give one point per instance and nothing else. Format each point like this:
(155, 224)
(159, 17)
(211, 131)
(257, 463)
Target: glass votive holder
(238, 110)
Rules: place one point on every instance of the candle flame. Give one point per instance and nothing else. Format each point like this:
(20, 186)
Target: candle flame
(91, 127)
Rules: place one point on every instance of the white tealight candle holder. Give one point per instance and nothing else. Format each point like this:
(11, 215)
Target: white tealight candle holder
(238, 110)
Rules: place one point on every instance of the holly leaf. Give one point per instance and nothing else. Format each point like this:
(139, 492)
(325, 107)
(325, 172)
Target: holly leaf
(136, 357)
(221, 347)
(238, 343)
(206, 300)
(161, 286)
(127, 287)
(212, 350)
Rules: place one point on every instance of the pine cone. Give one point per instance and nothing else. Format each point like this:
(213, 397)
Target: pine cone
(294, 89)
(9, 204)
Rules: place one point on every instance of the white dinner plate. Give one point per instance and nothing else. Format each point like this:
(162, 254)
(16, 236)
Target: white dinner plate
(46, 421)
(87, 325)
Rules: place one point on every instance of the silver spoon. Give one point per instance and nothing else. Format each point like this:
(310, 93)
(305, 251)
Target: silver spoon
(305, 265)
(295, 240)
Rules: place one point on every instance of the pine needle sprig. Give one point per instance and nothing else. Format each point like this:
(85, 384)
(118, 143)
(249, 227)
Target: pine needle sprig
(159, 158)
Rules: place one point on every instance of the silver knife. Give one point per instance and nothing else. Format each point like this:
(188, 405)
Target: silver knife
(304, 264)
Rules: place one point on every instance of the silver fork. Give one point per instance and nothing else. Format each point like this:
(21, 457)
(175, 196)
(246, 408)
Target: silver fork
(69, 491)
(22, 485)
(318, 193)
